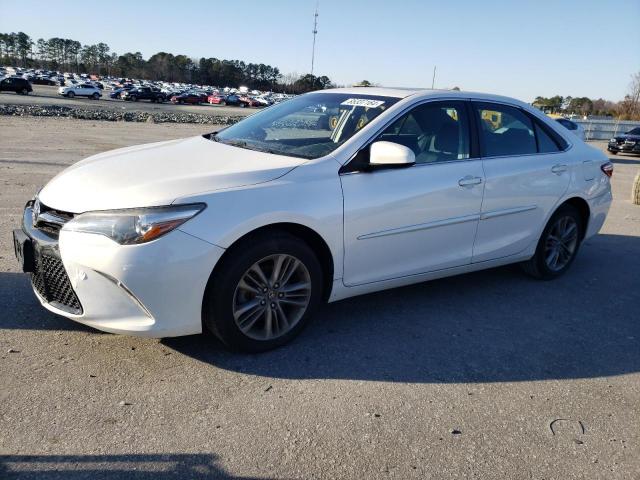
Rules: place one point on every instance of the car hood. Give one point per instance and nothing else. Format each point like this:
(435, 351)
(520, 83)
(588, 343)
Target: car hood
(628, 137)
(158, 173)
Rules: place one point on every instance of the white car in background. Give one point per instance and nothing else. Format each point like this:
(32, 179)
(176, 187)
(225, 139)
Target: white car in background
(573, 127)
(246, 230)
(81, 90)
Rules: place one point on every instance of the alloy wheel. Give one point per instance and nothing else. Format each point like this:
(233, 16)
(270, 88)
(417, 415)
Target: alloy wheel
(561, 243)
(271, 297)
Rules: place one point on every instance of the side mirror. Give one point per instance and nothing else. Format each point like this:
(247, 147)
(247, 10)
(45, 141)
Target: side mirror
(390, 154)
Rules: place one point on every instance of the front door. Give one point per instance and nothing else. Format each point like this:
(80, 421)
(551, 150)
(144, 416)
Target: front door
(400, 222)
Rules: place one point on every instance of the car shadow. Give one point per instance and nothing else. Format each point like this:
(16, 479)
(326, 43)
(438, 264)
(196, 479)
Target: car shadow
(129, 467)
(492, 326)
(22, 310)
(630, 160)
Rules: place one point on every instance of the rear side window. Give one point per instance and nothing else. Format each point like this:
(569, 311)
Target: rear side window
(505, 130)
(496, 120)
(546, 144)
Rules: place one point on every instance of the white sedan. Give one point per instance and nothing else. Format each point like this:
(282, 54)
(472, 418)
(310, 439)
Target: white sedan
(81, 90)
(245, 231)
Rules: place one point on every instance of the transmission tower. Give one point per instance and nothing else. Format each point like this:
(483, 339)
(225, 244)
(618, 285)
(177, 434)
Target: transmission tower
(315, 32)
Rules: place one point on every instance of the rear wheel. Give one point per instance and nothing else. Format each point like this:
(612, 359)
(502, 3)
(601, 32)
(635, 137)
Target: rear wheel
(558, 245)
(95, 96)
(25, 91)
(264, 293)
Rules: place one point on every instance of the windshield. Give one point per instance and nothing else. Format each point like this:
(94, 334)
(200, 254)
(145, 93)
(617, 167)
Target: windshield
(308, 126)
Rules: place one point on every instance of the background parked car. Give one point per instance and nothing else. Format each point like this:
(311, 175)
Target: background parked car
(626, 143)
(233, 99)
(246, 101)
(44, 81)
(143, 93)
(117, 92)
(217, 99)
(16, 84)
(573, 127)
(190, 97)
(81, 90)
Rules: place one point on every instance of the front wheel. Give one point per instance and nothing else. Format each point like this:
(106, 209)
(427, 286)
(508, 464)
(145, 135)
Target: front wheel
(264, 293)
(558, 245)
(71, 94)
(95, 96)
(25, 91)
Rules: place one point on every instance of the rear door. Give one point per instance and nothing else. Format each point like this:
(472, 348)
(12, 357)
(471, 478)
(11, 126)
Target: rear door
(526, 174)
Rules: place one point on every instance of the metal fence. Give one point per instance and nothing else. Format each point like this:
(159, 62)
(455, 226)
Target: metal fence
(605, 129)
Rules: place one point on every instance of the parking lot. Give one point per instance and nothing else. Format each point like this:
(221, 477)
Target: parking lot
(490, 375)
(46, 95)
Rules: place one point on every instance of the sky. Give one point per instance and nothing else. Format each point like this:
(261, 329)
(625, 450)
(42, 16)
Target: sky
(517, 48)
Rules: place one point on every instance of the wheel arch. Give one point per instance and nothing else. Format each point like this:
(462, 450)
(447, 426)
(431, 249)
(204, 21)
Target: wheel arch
(583, 207)
(306, 234)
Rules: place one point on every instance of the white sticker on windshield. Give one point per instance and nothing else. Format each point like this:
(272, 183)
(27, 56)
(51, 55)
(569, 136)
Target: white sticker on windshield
(363, 102)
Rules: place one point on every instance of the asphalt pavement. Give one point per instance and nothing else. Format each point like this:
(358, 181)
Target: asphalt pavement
(490, 375)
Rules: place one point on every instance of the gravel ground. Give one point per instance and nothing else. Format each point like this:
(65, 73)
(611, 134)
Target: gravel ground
(489, 375)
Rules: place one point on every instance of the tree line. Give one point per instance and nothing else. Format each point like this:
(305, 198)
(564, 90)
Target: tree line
(67, 55)
(626, 109)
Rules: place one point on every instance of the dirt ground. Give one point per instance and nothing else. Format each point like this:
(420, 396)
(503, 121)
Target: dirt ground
(490, 375)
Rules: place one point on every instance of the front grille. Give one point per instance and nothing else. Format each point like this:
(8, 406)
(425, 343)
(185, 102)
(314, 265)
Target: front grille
(50, 220)
(51, 281)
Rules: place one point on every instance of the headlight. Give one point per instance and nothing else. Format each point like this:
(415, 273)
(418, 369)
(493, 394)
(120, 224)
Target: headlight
(613, 140)
(131, 227)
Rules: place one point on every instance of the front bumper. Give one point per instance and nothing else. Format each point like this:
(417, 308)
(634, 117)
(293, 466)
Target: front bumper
(151, 290)
(624, 147)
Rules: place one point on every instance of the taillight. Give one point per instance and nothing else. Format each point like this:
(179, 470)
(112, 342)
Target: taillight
(607, 169)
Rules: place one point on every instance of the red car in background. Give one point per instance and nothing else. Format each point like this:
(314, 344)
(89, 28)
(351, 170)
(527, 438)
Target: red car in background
(249, 102)
(192, 98)
(217, 99)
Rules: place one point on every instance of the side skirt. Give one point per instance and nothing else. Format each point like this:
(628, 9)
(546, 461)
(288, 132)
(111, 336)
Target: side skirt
(339, 291)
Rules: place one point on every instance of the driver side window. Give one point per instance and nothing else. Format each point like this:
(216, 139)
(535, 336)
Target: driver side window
(435, 131)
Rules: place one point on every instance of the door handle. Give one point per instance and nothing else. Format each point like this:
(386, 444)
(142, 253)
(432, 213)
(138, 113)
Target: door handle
(469, 181)
(558, 169)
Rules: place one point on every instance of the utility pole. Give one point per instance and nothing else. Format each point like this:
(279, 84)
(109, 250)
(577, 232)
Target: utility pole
(433, 80)
(315, 32)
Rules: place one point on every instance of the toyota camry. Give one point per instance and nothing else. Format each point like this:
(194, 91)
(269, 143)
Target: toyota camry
(336, 193)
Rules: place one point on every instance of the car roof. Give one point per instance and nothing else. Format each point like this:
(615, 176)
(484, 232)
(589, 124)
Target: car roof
(421, 93)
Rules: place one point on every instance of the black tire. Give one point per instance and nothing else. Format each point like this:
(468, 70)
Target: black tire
(95, 96)
(71, 95)
(223, 103)
(24, 91)
(537, 266)
(217, 308)
(612, 152)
